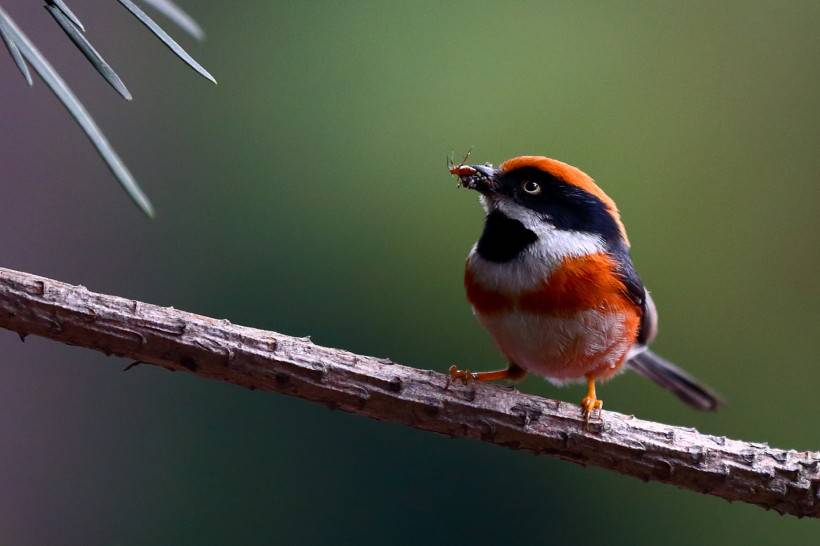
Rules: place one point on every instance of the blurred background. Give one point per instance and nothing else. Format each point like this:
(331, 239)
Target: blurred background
(307, 194)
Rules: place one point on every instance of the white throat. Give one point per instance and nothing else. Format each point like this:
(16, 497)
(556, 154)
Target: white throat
(535, 263)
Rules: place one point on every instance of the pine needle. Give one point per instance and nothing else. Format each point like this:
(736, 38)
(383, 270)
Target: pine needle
(14, 51)
(165, 38)
(63, 7)
(88, 50)
(176, 14)
(77, 110)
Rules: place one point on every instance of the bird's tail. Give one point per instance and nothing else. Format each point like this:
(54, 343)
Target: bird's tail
(670, 377)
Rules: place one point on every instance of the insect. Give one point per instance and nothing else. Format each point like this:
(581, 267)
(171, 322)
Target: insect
(461, 169)
(551, 279)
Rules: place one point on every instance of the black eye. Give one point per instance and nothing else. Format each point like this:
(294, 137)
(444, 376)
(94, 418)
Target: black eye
(532, 188)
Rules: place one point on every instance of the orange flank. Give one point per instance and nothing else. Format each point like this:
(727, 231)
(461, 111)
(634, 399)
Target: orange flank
(578, 284)
(569, 174)
(581, 283)
(483, 299)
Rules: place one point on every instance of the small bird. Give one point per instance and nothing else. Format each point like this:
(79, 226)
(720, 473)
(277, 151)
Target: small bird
(552, 280)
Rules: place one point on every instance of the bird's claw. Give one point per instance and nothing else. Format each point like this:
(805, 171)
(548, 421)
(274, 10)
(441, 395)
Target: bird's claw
(456, 374)
(590, 405)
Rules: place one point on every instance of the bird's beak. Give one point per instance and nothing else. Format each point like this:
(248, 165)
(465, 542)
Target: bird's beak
(481, 178)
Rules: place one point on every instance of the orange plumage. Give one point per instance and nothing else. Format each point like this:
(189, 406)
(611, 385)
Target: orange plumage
(552, 281)
(579, 283)
(586, 284)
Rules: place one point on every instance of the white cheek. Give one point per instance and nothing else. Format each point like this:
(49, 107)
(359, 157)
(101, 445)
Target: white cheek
(486, 202)
(539, 260)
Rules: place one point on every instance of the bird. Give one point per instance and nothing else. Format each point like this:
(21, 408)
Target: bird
(551, 279)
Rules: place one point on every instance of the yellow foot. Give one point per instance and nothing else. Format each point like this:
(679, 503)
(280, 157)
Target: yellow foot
(589, 404)
(460, 375)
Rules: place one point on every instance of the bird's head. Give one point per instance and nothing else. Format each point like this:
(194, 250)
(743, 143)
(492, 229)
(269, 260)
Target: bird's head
(543, 192)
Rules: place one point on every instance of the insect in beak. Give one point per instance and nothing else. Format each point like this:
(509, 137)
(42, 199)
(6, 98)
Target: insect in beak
(461, 170)
(481, 178)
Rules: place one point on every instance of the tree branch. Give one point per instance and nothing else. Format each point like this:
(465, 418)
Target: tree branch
(786, 481)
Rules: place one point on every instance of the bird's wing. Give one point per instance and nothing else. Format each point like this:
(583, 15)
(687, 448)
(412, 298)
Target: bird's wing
(649, 321)
(639, 295)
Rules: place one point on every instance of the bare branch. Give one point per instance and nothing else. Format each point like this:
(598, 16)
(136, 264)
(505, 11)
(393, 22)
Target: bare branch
(784, 480)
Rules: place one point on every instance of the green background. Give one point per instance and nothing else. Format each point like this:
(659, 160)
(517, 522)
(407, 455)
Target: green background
(307, 194)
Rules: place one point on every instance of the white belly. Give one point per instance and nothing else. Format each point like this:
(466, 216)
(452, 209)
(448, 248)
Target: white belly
(561, 349)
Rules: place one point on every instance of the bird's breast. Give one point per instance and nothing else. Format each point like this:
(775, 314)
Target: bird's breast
(565, 320)
(546, 285)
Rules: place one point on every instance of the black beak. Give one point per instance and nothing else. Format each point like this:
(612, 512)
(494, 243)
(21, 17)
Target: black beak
(481, 178)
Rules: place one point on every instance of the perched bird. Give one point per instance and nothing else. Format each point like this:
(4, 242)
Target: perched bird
(552, 280)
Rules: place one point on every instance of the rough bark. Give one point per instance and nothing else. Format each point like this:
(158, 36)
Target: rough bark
(784, 480)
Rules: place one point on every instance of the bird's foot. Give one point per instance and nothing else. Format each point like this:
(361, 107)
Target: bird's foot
(590, 405)
(464, 376)
(590, 402)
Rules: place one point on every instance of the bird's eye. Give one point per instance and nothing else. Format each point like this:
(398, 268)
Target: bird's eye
(532, 188)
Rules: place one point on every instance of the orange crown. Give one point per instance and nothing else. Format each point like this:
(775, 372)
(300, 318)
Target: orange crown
(569, 175)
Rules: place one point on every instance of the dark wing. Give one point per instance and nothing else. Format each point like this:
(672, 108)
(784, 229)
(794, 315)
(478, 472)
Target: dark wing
(636, 292)
(647, 363)
(649, 321)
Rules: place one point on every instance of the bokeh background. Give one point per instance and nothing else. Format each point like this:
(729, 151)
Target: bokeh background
(307, 194)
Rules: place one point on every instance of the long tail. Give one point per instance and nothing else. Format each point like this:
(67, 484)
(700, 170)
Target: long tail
(670, 377)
